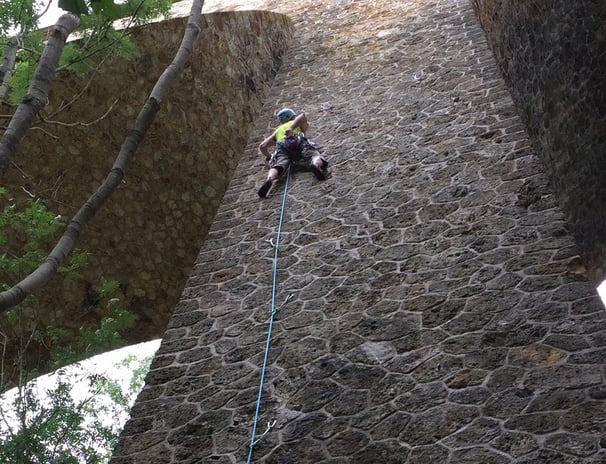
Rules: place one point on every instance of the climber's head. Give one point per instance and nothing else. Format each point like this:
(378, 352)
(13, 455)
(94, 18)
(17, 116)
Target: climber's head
(285, 114)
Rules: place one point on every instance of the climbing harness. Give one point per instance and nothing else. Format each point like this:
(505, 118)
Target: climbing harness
(274, 310)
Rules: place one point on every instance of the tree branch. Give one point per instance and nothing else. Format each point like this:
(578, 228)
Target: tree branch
(8, 64)
(37, 96)
(82, 124)
(145, 118)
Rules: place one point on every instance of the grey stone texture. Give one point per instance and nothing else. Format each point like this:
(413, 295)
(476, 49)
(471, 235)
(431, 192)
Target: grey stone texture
(553, 56)
(435, 317)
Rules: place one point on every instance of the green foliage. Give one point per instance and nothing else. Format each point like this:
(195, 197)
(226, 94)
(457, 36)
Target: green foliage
(24, 236)
(144, 11)
(27, 60)
(98, 36)
(18, 14)
(140, 370)
(83, 56)
(91, 341)
(52, 425)
(108, 8)
(77, 7)
(55, 427)
(106, 287)
(71, 269)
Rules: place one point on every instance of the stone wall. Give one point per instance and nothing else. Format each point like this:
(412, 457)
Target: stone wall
(553, 56)
(149, 233)
(436, 316)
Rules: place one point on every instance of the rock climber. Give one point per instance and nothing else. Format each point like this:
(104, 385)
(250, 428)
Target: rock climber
(291, 147)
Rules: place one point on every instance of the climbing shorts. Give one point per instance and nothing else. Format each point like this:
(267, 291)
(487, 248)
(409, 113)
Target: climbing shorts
(300, 158)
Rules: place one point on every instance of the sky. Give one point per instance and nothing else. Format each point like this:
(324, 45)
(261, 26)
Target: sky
(108, 364)
(52, 14)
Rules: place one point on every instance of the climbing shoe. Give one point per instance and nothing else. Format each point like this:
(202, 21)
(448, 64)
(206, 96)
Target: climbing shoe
(265, 188)
(320, 175)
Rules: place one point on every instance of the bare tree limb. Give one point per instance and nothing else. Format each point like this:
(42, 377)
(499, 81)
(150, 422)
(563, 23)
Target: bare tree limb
(8, 64)
(83, 124)
(76, 97)
(37, 96)
(145, 118)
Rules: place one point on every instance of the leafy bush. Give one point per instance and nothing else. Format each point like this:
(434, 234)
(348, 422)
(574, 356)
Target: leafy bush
(48, 424)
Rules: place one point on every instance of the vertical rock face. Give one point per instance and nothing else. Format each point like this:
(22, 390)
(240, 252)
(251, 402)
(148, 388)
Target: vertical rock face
(553, 55)
(148, 234)
(433, 314)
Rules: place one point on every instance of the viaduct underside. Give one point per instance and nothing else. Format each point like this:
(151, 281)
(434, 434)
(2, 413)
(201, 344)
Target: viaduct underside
(434, 315)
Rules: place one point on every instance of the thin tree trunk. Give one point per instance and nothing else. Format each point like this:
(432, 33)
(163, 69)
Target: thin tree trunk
(37, 96)
(8, 66)
(65, 245)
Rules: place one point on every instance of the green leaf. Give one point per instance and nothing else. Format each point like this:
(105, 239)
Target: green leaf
(108, 9)
(77, 7)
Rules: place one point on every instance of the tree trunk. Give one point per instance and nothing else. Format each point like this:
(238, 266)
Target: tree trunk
(8, 66)
(65, 245)
(37, 96)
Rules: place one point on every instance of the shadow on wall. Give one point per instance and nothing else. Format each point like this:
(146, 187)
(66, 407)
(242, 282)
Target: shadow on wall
(551, 54)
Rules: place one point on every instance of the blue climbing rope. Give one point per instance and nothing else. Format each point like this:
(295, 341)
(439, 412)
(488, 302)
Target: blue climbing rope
(271, 322)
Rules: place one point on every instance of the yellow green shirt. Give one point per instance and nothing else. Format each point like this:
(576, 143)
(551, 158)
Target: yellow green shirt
(280, 132)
